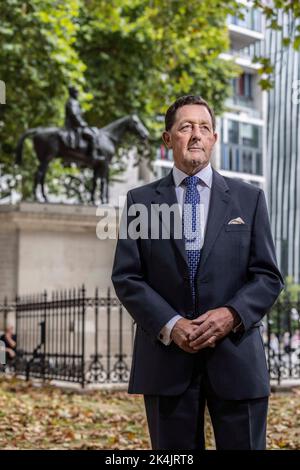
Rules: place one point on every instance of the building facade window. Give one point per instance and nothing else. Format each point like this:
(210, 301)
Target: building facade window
(241, 147)
(252, 19)
(163, 153)
(243, 87)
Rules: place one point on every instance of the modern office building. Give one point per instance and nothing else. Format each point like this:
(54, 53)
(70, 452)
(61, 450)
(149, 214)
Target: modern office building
(283, 144)
(240, 152)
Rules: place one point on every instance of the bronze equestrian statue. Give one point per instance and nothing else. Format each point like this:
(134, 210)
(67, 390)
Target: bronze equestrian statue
(75, 122)
(89, 147)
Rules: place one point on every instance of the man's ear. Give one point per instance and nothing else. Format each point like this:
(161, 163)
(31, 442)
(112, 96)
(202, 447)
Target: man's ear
(167, 139)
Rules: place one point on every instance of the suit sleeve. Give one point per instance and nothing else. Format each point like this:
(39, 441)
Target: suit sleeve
(265, 282)
(149, 310)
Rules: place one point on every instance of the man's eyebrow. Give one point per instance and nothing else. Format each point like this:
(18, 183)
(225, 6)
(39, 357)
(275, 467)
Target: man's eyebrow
(192, 121)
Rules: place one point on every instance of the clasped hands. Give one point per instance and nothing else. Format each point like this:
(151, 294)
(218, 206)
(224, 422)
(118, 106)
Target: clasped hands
(204, 331)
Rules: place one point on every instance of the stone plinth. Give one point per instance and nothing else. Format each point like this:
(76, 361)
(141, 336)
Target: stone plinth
(53, 246)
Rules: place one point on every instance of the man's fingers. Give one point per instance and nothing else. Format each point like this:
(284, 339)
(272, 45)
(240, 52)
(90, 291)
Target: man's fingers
(191, 351)
(210, 343)
(203, 328)
(200, 319)
(187, 348)
(202, 338)
(184, 344)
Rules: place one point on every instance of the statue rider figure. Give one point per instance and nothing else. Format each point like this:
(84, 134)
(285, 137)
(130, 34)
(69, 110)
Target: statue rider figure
(74, 121)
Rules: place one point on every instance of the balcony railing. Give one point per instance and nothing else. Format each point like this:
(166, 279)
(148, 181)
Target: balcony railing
(242, 159)
(244, 104)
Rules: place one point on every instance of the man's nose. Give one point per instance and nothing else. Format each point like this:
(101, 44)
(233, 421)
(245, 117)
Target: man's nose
(196, 133)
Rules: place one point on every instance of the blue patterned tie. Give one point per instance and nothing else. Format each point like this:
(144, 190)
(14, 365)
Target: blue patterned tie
(191, 227)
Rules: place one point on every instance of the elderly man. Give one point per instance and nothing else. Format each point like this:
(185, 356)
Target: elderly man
(198, 299)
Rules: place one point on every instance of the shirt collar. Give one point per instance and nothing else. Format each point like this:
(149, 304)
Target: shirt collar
(205, 175)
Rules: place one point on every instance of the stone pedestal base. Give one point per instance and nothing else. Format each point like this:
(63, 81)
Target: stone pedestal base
(53, 246)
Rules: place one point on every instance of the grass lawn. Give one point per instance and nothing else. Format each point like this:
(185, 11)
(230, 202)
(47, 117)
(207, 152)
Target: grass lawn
(46, 417)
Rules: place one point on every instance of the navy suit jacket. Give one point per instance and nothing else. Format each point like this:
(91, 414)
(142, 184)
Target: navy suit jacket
(237, 268)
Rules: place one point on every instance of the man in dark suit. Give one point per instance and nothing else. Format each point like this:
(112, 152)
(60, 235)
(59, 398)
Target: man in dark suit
(197, 281)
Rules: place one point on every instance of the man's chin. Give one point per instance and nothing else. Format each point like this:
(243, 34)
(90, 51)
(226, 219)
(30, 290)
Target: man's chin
(197, 159)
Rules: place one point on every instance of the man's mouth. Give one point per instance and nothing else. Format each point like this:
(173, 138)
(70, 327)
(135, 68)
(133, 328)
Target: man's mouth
(195, 148)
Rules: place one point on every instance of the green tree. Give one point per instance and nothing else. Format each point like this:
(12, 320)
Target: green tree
(276, 14)
(142, 54)
(127, 55)
(37, 60)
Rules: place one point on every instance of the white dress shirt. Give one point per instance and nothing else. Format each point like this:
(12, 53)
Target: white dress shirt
(204, 188)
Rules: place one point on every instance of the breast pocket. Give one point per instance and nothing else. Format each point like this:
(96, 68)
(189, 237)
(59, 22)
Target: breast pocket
(237, 228)
(238, 239)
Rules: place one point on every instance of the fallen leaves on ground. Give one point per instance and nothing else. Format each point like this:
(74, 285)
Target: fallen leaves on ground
(47, 417)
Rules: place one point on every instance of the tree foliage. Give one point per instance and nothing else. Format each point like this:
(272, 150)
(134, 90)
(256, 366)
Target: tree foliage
(124, 55)
(37, 60)
(141, 55)
(282, 16)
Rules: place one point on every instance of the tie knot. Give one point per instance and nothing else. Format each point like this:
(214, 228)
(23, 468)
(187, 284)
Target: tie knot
(191, 180)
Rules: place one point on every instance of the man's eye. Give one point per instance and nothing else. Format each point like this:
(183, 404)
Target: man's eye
(187, 126)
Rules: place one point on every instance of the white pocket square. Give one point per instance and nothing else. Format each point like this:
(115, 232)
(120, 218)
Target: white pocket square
(238, 220)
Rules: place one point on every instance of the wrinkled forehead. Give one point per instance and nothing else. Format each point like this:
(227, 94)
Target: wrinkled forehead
(197, 113)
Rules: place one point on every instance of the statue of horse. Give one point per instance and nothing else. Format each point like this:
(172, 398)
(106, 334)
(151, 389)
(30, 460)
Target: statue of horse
(52, 142)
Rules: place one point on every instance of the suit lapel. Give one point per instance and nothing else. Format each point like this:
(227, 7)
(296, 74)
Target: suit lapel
(166, 194)
(218, 208)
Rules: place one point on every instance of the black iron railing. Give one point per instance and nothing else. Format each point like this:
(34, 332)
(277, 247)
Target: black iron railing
(71, 337)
